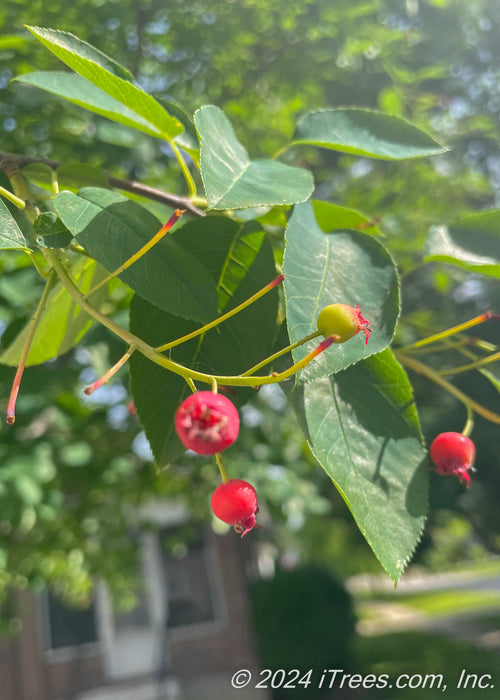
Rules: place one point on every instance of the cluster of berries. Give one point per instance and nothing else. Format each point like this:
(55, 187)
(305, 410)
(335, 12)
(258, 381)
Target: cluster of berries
(208, 423)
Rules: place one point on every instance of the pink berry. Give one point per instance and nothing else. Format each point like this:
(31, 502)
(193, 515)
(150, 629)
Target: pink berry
(453, 453)
(235, 502)
(207, 423)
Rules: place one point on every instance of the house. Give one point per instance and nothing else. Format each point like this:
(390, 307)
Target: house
(190, 632)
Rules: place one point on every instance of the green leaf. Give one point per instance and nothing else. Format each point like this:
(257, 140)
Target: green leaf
(112, 228)
(73, 175)
(363, 429)
(232, 180)
(64, 323)
(65, 41)
(188, 140)
(365, 133)
(11, 236)
(330, 217)
(109, 76)
(348, 267)
(38, 173)
(472, 243)
(83, 93)
(51, 232)
(227, 248)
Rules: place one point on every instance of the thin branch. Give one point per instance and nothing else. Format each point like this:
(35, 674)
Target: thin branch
(11, 407)
(132, 186)
(89, 390)
(281, 352)
(171, 200)
(17, 201)
(428, 372)
(136, 256)
(278, 280)
(477, 364)
(451, 331)
(159, 359)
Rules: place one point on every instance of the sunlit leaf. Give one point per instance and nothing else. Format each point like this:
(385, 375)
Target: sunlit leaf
(330, 217)
(363, 429)
(11, 236)
(365, 133)
(109, 76)
(232, 180)
(64, 323)
(81, 92)
(347, 267)
(472, 243)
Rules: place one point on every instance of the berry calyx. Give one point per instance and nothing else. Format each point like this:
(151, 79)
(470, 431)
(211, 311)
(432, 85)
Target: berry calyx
(207, 423)
(453, 453)
(343, 322)
(235, 503)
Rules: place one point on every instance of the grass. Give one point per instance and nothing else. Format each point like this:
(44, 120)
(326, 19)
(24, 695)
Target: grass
(422, 653)
(441, 602)
(452, 602)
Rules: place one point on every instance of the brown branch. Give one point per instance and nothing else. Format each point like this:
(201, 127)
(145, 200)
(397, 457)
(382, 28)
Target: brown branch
(8, 160)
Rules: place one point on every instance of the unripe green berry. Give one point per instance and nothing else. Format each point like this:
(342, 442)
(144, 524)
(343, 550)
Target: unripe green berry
(342, 322)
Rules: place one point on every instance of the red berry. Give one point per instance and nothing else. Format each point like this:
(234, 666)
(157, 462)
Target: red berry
(453, 453)
(343, 322)
(235, 502)
(207, 423)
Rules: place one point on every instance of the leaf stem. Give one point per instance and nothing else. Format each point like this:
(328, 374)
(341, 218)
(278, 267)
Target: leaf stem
(431, 374)
(11, 407)
(223, 473)
(451, 331)
(185, 170)
(160, 359)
(54, 182)
(191, 384)
(477, 364)
(136, 256)
(89, 390)
(281, 151)
(469, 423)
(13, 199)
(278, 280)
(271, 358)
(37, 267)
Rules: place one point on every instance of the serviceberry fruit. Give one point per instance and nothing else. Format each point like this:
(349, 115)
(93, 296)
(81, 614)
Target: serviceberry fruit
(343, 322)
(235, 502)
(453, 453)
(207, 423)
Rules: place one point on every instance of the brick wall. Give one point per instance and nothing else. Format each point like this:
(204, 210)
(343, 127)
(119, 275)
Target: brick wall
(230, 644)
(212, 650)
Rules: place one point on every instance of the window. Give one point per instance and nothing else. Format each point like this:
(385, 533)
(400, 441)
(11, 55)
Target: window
(188, 576)
(66, 626)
